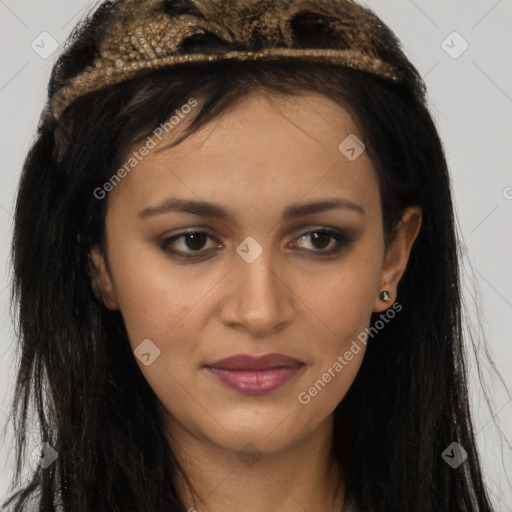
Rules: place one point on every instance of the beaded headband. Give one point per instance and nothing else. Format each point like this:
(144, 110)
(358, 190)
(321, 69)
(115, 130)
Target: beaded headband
(146, 35)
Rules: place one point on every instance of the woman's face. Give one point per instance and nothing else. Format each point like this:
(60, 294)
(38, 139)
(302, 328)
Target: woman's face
(287, 258)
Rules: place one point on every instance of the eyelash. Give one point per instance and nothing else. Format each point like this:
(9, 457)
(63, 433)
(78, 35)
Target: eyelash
(342, 238)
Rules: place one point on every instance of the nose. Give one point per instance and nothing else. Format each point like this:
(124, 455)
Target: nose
(259, 299)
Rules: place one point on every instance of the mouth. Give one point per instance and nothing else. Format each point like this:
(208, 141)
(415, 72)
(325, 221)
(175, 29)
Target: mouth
(255, 375)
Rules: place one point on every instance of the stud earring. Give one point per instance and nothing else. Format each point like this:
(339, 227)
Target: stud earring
(384, 296)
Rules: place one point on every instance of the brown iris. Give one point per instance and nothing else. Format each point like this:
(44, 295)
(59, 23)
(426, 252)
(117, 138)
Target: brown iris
(196, 241)
(322, 238)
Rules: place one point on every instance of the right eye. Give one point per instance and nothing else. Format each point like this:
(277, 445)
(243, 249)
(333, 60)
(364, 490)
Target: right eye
(195, 241)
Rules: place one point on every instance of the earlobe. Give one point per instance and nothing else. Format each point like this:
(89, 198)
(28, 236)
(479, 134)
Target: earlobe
(397, 257)
(101, 281)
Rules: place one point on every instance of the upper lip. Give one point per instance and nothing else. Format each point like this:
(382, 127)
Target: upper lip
(248, 362)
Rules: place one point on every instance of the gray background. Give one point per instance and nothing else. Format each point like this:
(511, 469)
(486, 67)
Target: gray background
(471, 100)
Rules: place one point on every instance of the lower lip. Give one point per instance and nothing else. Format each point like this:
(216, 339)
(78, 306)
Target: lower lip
(254, 382)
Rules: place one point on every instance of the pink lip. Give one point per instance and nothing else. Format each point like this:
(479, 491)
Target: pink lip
(254, 375)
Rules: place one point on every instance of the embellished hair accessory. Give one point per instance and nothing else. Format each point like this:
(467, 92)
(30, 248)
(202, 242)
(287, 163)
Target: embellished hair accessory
(146, 35)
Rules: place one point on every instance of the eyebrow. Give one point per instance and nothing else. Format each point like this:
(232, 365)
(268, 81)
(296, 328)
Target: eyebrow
(207, 209)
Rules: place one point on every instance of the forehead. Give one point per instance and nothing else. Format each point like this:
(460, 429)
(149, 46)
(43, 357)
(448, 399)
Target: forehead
(264, 146)
(310, 121)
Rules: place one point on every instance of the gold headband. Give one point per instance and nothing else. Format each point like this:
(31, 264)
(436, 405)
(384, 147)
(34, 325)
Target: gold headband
(146, 35)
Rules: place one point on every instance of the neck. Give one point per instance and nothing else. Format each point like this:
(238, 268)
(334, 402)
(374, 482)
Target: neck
(298, 477)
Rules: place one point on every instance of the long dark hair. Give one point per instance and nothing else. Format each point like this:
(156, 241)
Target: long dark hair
(409, 401)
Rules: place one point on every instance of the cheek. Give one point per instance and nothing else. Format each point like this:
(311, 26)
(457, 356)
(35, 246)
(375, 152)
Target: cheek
(341, 296)
(341, 303)
(156, 297)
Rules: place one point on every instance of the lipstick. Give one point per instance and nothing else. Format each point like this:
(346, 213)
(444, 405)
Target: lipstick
(253, 375)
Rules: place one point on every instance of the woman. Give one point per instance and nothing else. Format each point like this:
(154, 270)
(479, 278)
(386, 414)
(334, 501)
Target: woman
(236, 269)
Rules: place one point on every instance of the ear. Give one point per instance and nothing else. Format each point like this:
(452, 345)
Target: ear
(397, 256)
(101, 280)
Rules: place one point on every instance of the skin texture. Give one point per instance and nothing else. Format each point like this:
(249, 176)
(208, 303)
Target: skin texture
(264, 154)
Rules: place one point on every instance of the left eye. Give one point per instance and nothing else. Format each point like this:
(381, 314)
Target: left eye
(322, 238)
